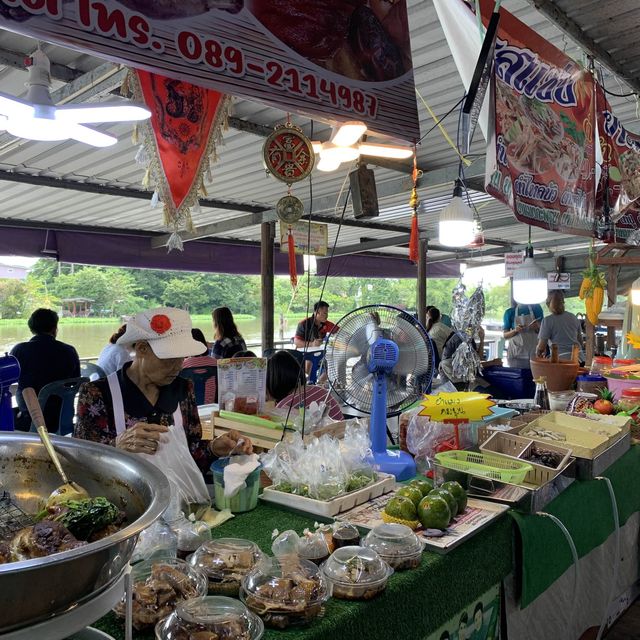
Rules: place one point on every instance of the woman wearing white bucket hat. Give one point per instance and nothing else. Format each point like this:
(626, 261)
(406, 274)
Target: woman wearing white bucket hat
(146, 408)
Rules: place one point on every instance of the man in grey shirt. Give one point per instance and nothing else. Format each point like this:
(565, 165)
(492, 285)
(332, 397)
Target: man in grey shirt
(561, 328)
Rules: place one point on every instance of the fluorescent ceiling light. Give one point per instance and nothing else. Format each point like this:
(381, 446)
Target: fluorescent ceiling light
(384, 150)
(116, 112)
(349, 133)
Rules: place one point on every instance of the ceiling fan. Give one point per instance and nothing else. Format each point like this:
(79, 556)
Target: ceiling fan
(344, 146)
(37, 118)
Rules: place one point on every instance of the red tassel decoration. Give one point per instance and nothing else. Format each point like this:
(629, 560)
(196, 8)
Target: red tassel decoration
(293, 274)
(413, 240)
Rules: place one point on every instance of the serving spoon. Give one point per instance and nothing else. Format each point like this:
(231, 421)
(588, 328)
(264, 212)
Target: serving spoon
(68, 490)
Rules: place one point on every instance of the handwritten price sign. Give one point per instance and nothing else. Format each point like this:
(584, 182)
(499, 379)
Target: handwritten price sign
(457, 407)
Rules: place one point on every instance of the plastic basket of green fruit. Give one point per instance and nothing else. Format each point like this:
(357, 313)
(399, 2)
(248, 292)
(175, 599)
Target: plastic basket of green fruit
(485, 465)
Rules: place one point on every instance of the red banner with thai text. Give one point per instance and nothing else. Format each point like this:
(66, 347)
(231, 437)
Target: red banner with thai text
(541, 161)
(332, 60)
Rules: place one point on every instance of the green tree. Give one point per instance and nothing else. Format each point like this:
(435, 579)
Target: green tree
(112, 290)
(185, 292)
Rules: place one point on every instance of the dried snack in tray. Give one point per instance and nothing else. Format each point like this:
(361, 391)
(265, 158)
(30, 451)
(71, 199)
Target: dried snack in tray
(545, 457)
(545, 434)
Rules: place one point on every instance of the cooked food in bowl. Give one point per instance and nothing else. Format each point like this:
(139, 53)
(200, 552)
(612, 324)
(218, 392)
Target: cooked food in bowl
(61, 528)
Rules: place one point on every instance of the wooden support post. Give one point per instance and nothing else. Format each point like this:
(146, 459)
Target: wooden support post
(612, 293)
(267, 230)
(421, 284)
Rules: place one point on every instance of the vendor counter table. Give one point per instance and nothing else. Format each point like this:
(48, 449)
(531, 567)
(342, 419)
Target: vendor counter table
(415, 602)
(418, 602)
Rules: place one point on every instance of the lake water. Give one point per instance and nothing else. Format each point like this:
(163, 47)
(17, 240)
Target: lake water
(89, 339)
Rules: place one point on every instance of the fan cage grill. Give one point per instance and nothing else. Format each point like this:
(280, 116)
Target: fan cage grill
(348, 356)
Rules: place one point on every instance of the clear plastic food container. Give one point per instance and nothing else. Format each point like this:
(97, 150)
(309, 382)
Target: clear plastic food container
(158, 587)
(314, 547)
(396, 544)
(356, 573)
(345, 535)
(285, 591)
(210, 618)
(225, 562)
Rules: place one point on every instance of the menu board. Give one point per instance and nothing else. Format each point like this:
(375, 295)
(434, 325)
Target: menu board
(242, 384)
(541, 158)
(335, 59)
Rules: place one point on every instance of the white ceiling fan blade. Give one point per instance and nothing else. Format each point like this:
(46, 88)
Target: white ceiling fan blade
(385, 150)
(90, 136)
(116, 112)
(14, 107)
(348, 133)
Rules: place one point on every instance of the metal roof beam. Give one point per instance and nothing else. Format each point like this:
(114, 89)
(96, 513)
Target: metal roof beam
(385, 189)
(572, 29)
(127, 191)
(59, 72)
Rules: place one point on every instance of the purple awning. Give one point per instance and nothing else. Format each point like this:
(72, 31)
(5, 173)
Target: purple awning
(361, 265)
(119, 250)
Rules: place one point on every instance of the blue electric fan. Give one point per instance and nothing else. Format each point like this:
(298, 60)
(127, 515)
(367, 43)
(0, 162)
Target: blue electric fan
(380, 361)
(9, 373)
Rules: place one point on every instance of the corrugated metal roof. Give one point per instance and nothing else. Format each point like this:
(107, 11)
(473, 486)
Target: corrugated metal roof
(239, 174)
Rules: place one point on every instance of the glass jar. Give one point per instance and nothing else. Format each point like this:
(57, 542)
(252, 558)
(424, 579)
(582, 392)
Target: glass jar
(600, 364)
(541, 397)
(630, 399)
(591, 383)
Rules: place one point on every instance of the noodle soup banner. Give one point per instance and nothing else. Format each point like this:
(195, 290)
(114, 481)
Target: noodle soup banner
(333, 60)
(541, 158)
(620, 169)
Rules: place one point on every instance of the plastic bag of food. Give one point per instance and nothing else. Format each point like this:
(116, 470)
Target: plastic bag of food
(191, 533)
(324, 467)
(424, 437)
(157, 541)
(284, 465)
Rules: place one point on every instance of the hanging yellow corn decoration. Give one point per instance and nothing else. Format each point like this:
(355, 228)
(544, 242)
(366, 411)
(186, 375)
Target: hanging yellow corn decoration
(592, 289)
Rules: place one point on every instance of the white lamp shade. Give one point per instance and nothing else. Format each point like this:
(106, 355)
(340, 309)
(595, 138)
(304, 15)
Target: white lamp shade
(635, 292)
(529, 283)
(456, 226)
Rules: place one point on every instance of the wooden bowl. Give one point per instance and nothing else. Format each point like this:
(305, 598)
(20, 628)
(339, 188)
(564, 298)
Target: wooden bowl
(560, 375)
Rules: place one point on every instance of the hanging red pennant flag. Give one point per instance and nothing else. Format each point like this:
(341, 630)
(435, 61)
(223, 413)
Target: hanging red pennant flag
(178, 142)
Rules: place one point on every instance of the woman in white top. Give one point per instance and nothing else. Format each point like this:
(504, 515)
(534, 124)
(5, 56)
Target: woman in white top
(114, 356)
(438, 331)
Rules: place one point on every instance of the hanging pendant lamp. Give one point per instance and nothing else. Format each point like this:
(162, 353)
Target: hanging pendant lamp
(456, 225)
(529, 280)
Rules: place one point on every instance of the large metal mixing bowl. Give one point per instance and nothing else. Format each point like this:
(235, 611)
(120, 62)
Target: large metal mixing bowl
(33, 590)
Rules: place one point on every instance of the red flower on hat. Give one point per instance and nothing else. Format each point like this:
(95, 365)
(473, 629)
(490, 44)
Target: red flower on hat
(160, 323)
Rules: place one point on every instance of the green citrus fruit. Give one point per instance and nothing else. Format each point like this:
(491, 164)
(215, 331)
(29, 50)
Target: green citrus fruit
(434, 512)
(401, 507)
(413, 493)
(423, 484)
(451, 501)
(456, 490)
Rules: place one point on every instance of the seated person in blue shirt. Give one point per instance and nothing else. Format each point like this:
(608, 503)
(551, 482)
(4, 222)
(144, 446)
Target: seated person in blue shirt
(43, 360)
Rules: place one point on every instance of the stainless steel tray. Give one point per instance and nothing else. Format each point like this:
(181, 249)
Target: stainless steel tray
(589, 469)
(524, 498)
